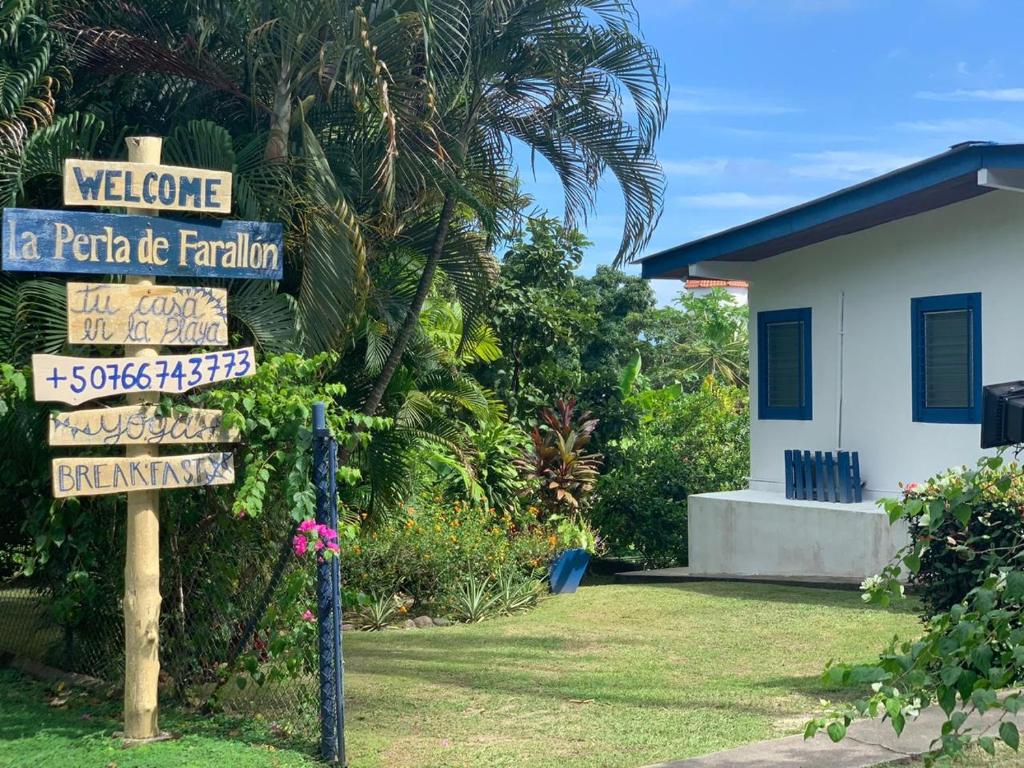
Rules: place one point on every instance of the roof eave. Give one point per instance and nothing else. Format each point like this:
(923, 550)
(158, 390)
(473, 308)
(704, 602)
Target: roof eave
(929, 184)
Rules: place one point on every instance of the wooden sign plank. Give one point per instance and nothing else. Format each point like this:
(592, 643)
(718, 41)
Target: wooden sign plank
(106, 243)
(139, 425)
(155, 315)
(98, 476)
(107, 183)
(75, 380)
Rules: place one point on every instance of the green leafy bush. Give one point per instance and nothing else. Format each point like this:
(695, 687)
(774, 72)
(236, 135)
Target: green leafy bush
(965, 554)
(964, 524)
(433, 550)
(691, 443)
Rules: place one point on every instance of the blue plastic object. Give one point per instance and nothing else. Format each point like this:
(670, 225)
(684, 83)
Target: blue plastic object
(567, 571)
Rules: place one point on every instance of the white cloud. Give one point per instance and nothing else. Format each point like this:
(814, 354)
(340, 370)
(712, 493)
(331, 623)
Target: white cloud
(699, 167)
(848, 165)
(706, 101)
(954, 130)
(740, 200)
(974, 94)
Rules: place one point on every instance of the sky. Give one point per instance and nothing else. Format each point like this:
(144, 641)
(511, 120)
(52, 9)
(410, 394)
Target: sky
(776, 102)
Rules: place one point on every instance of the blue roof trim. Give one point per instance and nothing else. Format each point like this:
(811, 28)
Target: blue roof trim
(931, 183)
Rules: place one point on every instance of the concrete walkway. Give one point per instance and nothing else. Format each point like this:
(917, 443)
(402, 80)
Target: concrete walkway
(867, 743)
(682, 575)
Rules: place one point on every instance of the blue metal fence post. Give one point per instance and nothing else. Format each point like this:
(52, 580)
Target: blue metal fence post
(332, 707)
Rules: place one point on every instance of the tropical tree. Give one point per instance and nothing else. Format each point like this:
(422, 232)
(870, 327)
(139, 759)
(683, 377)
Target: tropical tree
(716, 343)
(540, 316)
(557, 76)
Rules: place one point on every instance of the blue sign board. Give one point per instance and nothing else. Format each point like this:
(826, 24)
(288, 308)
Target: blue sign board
(106, 243)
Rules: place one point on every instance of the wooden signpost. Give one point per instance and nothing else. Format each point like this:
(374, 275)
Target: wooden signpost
(157, 187)
(138, 425)
(75, 380)
(114, 244)
(142, 316)
(167, 315)
(92, 477)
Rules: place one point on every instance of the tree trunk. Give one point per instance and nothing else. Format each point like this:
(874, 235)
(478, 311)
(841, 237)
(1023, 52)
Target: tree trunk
(412, 315)
(280, 117)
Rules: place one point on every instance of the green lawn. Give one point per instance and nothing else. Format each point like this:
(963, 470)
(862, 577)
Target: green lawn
(72, 729)
(612, 676)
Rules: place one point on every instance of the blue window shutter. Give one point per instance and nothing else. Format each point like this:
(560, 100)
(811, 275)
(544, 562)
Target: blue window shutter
(784, 374)
(946, 346)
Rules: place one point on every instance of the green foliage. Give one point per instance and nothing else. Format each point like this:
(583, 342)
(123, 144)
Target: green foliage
(475, 601)
(964, 524)
(706, 336)
(686, 443)
(515, 593)
(966, 658)
(436, 546)
(965, 552)
(490, 451)
(541, 317)
(380, 611)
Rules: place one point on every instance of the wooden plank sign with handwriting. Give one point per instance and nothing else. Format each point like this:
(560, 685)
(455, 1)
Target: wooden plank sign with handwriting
(75, 380)
(138, 425)
(164, 315)
(98, 476)
(109, 183)
(107, 243)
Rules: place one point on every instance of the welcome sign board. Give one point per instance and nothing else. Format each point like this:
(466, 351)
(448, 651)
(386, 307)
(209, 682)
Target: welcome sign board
(140, 185)
(153, 315)
(106, 243)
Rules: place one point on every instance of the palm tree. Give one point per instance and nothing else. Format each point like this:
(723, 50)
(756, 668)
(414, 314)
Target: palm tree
(405, 115)
(558, 76)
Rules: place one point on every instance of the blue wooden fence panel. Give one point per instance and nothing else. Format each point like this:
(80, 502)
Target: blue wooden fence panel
(76, 242)
(823, 476)
(791, 476)
(830, 477)
(845, 492)
(855, 457)
(798, 473)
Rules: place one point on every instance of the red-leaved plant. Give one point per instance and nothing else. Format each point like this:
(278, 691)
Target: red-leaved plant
(561, 472)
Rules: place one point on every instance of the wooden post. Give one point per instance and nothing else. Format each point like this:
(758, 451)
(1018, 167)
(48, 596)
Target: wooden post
(142, 556)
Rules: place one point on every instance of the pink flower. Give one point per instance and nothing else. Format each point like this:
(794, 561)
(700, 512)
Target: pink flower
(299, 544)
(911, 487)
(307, 525)
(319, 545)
(308, 615)
(333, 546)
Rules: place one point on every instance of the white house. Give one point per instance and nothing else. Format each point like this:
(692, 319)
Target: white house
(876, 315)
(702, 286)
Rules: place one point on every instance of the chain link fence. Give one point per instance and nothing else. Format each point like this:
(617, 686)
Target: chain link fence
(229, 640)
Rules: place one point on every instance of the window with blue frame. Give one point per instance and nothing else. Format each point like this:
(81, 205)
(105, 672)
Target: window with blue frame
(784, 364)
(946, 344)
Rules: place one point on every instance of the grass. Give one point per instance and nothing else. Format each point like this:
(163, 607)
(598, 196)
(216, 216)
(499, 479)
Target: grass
(614, 676)
(611, 676)
(73, 729)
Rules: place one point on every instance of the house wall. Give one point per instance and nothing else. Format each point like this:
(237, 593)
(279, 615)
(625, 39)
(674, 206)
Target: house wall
(869, 278)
